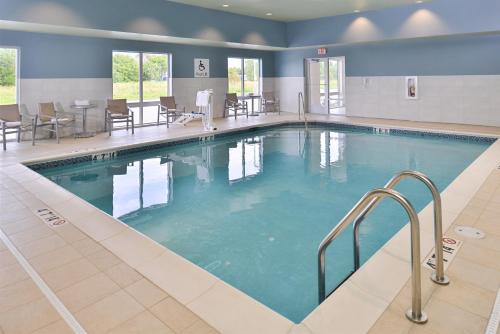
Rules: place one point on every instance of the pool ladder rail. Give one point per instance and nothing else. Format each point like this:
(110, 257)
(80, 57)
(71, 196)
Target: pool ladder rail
(358, 214)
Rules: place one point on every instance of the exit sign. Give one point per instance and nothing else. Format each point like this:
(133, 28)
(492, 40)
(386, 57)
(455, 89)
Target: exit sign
(322, 51)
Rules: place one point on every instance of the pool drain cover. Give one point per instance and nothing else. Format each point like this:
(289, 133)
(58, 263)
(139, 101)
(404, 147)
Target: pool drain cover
(469, 232)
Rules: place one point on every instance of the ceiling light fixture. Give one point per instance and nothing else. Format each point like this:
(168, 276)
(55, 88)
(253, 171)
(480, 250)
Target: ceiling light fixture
(269, 14)
(356, 11)
(225, 5)
(419, 1)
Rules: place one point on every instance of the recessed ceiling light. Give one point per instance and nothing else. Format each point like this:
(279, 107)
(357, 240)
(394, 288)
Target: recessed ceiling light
(269, 14)
(225, 5)
(419, 1)
(357, 11)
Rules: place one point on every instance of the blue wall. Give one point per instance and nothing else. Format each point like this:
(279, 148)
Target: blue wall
(465, 55)
(158, 17)
(55, 56)
(434, 18)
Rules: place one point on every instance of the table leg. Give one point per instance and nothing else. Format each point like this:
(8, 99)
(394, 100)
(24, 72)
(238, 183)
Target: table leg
(253, 110)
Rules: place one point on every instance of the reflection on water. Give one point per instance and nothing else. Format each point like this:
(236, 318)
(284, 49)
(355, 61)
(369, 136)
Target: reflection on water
(252, 209)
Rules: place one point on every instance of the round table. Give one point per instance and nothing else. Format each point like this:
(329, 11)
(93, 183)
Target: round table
(252, 98)
(83, 108)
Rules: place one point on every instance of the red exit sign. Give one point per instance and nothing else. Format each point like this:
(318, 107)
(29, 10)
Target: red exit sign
(322, 51)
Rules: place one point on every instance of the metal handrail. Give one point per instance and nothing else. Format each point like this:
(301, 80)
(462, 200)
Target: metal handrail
(438, 275)
(414, 314)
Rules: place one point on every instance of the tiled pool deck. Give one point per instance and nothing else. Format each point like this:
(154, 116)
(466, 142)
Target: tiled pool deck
(110, 278)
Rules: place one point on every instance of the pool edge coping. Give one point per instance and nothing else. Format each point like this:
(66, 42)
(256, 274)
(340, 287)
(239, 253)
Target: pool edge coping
(313, 322)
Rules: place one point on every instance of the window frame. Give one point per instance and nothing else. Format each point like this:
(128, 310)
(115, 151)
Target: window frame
(141, 103)
(242, 77)
(18, 70)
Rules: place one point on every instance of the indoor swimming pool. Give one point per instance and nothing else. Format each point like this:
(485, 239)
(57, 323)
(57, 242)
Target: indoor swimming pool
(252, 207)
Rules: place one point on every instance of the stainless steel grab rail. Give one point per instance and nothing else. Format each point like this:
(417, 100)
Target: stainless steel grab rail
(414, 314)
(438, 276)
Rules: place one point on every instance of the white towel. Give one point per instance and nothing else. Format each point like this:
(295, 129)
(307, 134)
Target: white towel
(202, 98)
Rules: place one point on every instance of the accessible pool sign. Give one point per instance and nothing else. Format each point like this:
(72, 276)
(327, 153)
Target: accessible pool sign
(450, 249)
(201, 68)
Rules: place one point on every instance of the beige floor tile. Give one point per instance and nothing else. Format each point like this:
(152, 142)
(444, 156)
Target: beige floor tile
(391, 322)
(200, 327)
(30, 235)
(474, 274)
(69, 274)
(123, 274)
(21, 225)
(480, 255)
(70, 233)
(109, 312)
(141, 324)
(14, 215)
(58, 327)
(6, 258)
(28, 317)
(445, 318)
(87, 292)
(489, 227)
(468, 297)
(103, 259)
(41, 246)
(466, 220)
(12, 274)
(54, 259)
(174, 314)
(87, 246)
(146, 292)
(17, 294)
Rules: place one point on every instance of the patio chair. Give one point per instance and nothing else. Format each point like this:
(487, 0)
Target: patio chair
(270, 103)
(232, 103)
(118, 112)
(169, 109)
(51, 119)
(10, 122)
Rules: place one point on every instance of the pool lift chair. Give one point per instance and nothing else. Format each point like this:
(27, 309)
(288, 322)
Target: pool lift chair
(205, 103)
(358, 214)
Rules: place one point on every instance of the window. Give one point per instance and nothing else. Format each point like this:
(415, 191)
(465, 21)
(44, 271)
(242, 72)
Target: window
(9, 88)
(244, 76)
(141, 78)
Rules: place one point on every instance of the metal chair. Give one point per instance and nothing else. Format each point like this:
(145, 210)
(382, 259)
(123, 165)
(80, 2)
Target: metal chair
(232, 103)
(118, 111)
(11, 122)
(169, 109)
(270, 103)
(52, 120)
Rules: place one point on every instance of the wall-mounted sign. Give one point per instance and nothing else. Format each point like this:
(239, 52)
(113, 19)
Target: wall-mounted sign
(322, 51)
(201, 68)
(411, 88)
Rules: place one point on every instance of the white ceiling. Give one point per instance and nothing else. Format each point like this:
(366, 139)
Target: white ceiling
(294, 10)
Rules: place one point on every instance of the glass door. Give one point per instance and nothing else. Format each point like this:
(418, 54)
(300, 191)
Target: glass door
(141, 78)
(234, 76)
(317, 85)
(244, 79)
(336, 85)
(325, 85)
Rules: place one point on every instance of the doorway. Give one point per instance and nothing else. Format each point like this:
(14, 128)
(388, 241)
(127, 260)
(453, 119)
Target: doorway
(325, 85)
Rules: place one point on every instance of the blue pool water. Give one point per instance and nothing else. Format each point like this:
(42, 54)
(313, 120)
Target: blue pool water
(252, 208)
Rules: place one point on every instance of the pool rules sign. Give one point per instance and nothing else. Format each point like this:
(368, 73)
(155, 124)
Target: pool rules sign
(201, 68)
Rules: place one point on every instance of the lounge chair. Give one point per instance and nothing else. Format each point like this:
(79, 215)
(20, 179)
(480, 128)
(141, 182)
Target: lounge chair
(232, 103)
(118, 112)
(270, 103)
(10, 122)
(51, 119)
